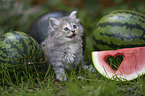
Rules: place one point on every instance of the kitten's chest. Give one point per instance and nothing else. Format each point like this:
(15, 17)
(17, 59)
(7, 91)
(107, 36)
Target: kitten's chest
(72, 54)
(73, 48)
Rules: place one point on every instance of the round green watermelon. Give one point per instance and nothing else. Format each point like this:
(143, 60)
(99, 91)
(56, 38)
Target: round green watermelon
(120, 29)
(17, 50)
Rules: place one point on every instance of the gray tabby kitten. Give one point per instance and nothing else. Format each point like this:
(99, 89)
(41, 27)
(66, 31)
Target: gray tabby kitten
(64, 44)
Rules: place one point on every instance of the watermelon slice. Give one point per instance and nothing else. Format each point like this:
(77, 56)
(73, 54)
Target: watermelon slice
(131, 67)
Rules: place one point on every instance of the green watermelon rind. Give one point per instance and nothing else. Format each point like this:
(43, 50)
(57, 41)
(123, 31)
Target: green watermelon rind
(18, 48)
(120, 29)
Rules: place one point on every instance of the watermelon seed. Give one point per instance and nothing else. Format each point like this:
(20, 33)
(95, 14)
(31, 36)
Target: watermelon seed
(114, 62)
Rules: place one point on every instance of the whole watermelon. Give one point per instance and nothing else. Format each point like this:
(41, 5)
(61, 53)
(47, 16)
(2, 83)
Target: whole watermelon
(120, 29)
(18, 49)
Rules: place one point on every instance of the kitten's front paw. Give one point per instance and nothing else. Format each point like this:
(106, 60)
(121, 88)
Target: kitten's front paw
(61, 78)
(90, 68)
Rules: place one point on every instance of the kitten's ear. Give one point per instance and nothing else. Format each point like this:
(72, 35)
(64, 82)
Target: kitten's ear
(53, 23)
(73, 15)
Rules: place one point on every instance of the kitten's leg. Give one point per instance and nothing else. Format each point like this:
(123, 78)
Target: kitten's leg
(59, 70)
(55, 61)
(79, 57)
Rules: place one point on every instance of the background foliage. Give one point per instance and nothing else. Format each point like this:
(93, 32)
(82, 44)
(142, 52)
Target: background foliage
(18, 14)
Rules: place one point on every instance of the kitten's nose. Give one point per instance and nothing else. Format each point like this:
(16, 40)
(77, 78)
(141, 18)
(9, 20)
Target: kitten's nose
(73, 31)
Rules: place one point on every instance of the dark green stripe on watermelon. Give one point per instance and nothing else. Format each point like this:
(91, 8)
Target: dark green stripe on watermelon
(17, 48)
(120, 29)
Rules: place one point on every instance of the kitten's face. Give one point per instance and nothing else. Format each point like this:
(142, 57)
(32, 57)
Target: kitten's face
(68, 28)
(71, 31)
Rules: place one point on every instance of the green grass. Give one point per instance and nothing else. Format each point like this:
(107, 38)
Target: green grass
(80, 83)
(114, 62)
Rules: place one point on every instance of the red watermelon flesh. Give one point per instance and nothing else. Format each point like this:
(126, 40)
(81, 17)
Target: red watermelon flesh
(132, 66)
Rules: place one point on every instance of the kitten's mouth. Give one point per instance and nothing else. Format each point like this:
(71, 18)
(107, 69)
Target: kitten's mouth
(72, 36)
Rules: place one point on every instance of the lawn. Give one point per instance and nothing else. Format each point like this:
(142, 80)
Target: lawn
(32, 82)
(80, 83)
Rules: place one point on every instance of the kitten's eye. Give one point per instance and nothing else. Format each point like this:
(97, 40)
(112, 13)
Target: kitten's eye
(74, 26)
(66, 29)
